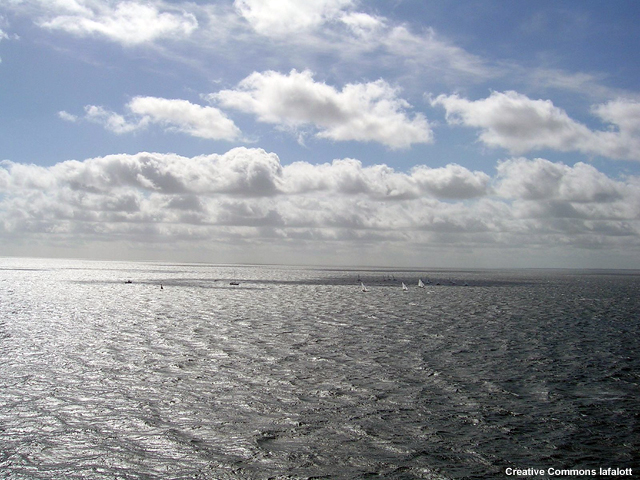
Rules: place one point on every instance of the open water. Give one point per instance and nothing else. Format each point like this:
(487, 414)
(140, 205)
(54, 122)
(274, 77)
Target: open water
(296, 373)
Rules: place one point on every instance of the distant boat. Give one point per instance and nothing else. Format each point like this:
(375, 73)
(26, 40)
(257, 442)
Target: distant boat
(234, 283)
(404, 287)
(364, 289)
(420, 284)
(128, 281)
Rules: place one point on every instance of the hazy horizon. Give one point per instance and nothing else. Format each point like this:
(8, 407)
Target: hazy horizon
(425, 269)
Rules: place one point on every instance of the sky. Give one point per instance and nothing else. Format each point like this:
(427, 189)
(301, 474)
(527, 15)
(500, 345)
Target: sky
(399, 133)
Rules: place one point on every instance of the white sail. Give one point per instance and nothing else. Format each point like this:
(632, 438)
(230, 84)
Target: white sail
(420, 284)
(404, 287)
(364, 289)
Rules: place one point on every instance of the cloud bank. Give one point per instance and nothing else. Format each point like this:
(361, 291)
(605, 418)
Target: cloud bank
(129, 23)
(248, 196)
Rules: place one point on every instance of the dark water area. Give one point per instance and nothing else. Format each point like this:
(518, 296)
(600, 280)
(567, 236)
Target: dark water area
(296, 373)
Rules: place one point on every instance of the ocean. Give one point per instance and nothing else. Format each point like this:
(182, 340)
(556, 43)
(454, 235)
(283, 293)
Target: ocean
(122, 370)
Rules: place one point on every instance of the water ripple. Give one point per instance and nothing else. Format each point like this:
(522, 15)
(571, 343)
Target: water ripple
(296, 373)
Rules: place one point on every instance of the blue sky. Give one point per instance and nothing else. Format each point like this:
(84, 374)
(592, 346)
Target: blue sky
(398, 133)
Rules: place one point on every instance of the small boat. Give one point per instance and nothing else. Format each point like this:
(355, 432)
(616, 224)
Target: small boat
(404, 287)
(128, 281)
(234, 283)
(420, 284)
(364, 289)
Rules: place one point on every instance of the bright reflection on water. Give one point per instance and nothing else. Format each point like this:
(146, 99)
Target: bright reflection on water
(296, 373)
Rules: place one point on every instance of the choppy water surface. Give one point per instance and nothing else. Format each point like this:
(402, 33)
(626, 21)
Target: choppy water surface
(296, 373)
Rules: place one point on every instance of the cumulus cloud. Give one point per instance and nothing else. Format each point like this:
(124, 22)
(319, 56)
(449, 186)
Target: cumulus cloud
(513, 121)
(186, 117)
(577, 206)
(452, 181)
(623, 113)
(112, 121)
(240, 171)
(286, 17)
(129, 23)
(173, 114)
(249, 173)
(349, 177)
(360, 111)
(540, 179)
(247, 195)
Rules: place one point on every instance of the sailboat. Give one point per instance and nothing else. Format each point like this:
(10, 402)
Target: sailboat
(364, 289)
(420, 284)
(404, 287)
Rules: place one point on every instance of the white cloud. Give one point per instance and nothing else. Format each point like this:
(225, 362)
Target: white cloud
(67, 116)
(173, 114)
(186, 117)
(623, 141)
(337, 26)
(452, 181)
(350, 177)
(540, 179)
(363, 25)
(286, 17)
(361, 111)
(240, 171)
(513, 121)
(248, 196)
(249, 173)
(623, 113)
(129, 23)
(576, 206)
(111, 121)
